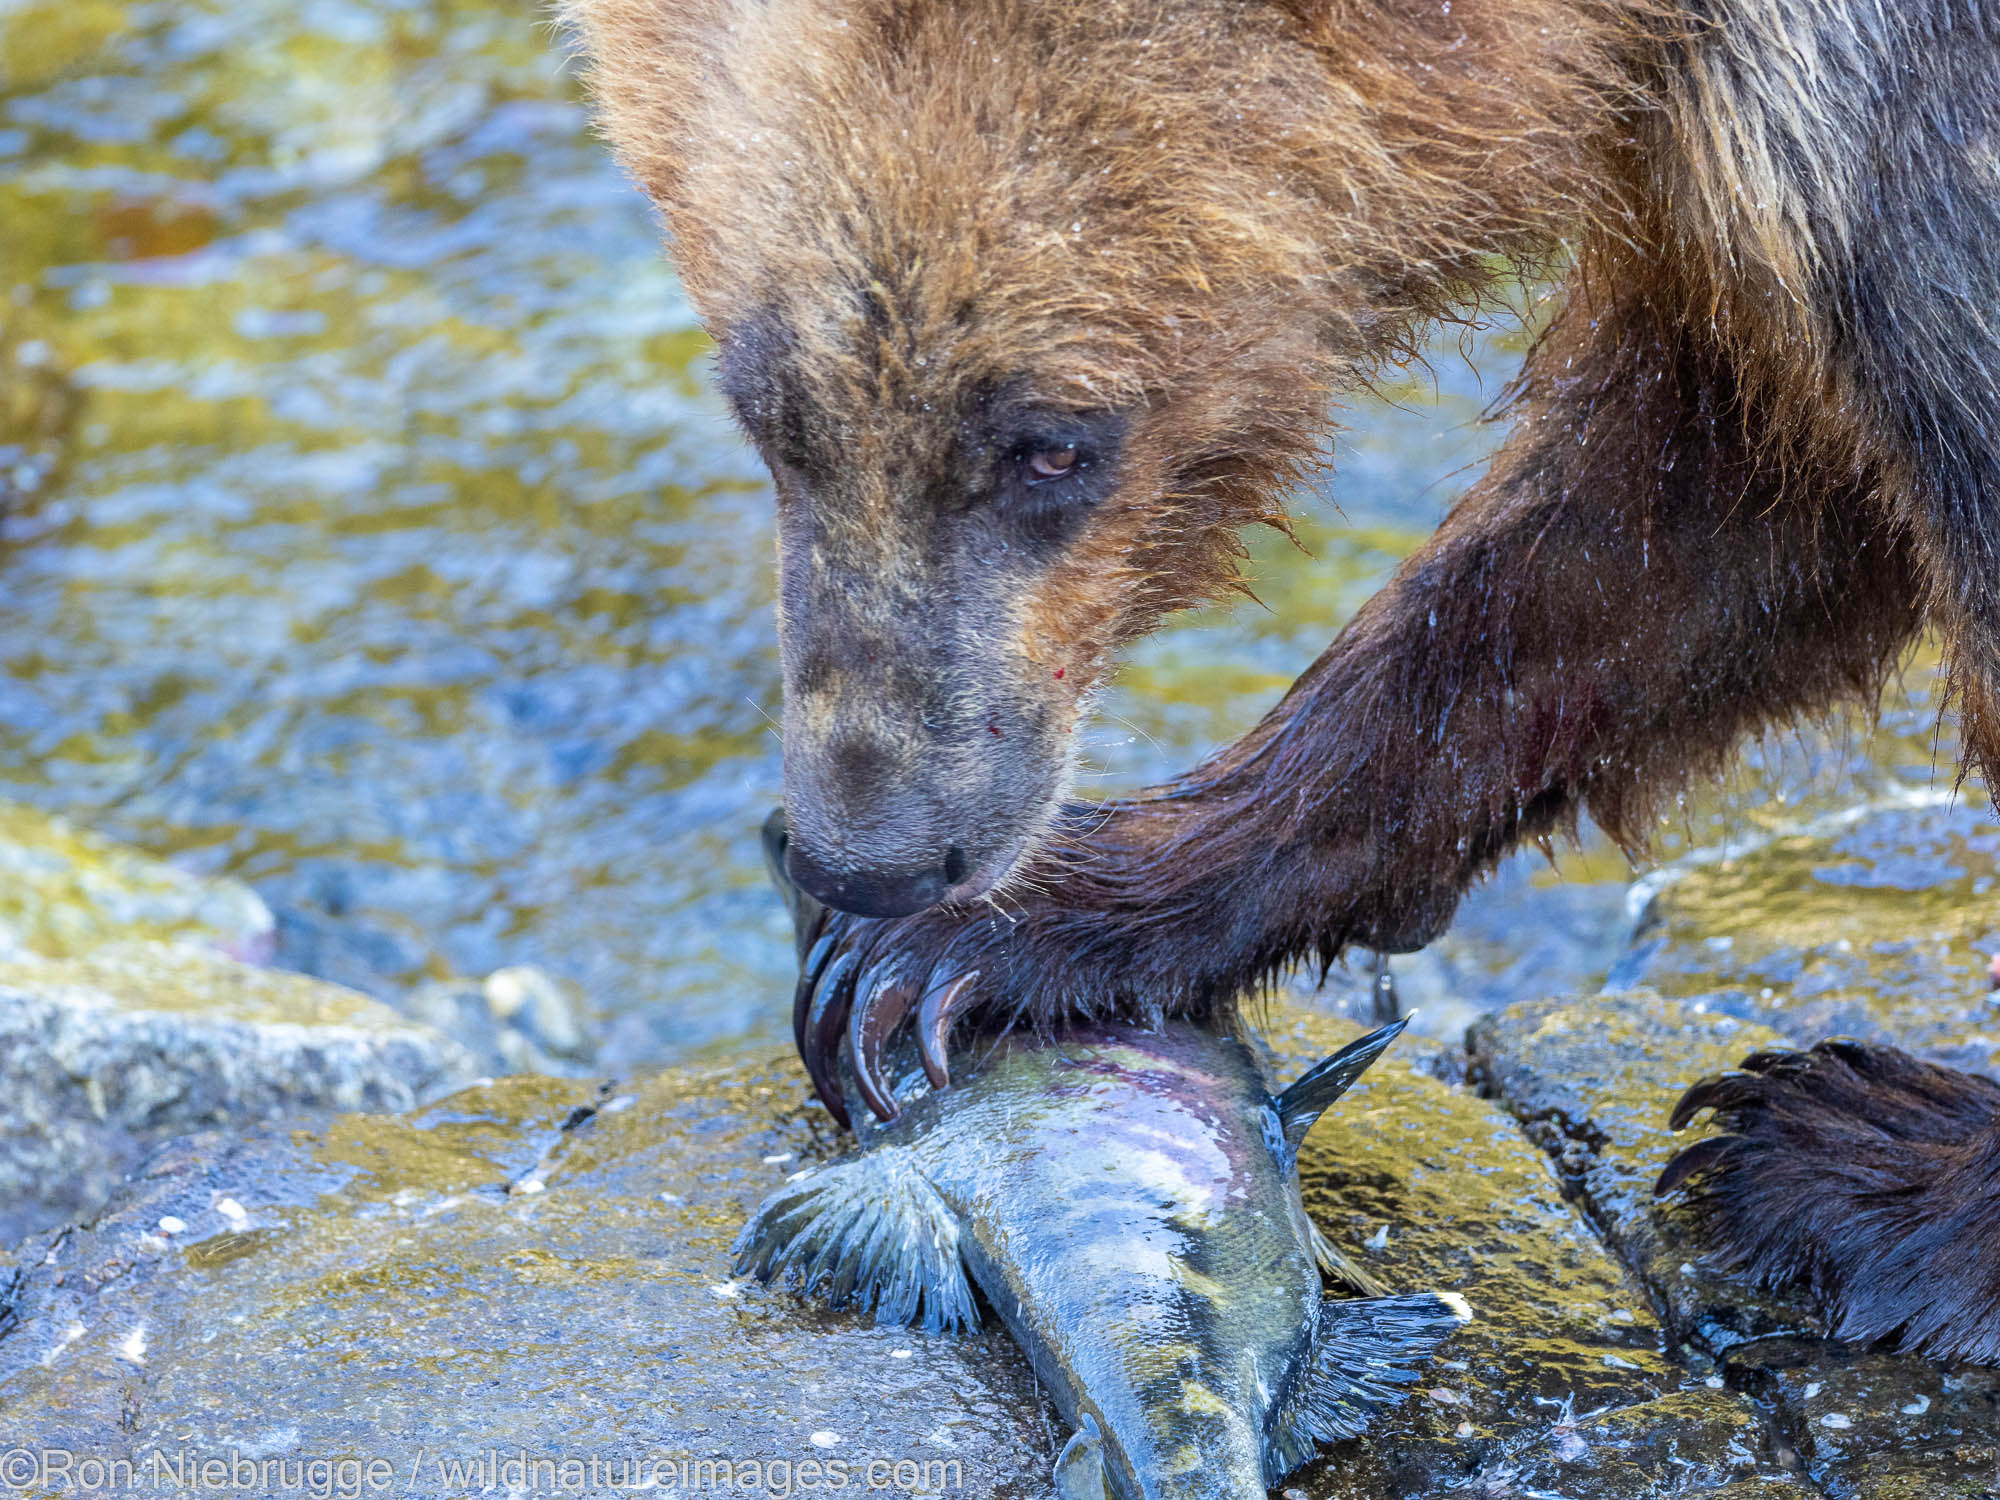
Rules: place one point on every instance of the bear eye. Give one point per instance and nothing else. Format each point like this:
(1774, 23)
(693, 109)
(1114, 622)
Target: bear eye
(1054, 463)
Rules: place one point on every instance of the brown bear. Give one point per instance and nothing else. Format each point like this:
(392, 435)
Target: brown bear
(1032, 305)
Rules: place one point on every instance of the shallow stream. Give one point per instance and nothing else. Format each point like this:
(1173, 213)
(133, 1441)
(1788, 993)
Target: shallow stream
(395, 559)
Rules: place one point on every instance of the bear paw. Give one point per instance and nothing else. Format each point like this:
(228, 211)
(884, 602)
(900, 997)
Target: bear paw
(1867, 1177)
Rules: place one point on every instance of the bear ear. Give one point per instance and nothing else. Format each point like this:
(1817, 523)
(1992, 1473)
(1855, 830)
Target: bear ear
(645, 64)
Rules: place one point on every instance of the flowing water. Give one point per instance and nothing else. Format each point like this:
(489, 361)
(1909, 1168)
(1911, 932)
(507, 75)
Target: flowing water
(397, 560)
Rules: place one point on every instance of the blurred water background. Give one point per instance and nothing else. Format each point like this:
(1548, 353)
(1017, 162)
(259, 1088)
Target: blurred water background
(391, 554)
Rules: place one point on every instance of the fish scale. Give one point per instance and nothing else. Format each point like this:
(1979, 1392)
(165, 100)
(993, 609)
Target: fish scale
(1126, 1201)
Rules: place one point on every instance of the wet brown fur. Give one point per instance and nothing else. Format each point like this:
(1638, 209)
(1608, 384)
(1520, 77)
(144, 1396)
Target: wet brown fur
(1146, 205)
(1751, 457)
(1410, 156)
(1867, 1177)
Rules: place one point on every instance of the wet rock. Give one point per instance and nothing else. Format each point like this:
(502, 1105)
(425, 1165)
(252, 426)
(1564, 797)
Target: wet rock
(126, 1019)
(104, 1057)
(1697, 1441)
(538, 1269)
(533, 1271)
(1559, 1386)
(64, 892)
(516, 1020)
(1873, 1427)
(1593, 1082)
(1876, 922)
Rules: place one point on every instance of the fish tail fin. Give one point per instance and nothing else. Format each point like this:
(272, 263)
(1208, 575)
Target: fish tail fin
(867, 1232)
(1364, 1352)
(1324, 1082)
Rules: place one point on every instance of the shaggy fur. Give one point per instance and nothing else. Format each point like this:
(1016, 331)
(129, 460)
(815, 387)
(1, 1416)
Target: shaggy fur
(944, 245)
(1869, 1177)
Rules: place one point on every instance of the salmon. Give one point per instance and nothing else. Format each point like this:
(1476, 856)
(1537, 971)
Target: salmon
(1127, 1202)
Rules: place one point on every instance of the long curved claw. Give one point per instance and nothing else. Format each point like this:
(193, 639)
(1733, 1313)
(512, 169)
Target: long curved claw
(934, 1018)
(820, 1035)
(809, 929)
(810, 920)
(1720, 1091)
(1696, 1159)
(870, 1023)
(808, 985)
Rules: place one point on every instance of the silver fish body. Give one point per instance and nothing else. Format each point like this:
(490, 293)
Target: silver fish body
(1128, 1202)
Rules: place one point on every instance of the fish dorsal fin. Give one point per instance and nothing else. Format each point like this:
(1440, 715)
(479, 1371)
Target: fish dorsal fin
(1080, 1466)
(1363, 1353)
(1324, 1082)
(866, 1232)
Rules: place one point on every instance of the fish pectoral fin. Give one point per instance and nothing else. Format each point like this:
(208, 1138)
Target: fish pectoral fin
(1364, 1352)
(1324, 1082)
(1080, 1466)
(866, 1232)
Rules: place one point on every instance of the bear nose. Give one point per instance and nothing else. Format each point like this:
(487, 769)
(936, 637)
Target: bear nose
(877, 892)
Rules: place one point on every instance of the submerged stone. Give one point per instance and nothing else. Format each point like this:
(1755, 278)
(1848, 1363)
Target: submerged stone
(1876, 922)
(65, 891)
(515, 1020)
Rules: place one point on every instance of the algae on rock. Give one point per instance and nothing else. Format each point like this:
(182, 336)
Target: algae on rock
(1594, 1081)
(65, 891)
(540, 1269)
(1878, 922)
(125, 1022)
(1555, 1386)
(103, 1058)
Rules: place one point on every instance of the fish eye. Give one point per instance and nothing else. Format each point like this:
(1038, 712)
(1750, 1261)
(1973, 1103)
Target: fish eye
(1054, 462)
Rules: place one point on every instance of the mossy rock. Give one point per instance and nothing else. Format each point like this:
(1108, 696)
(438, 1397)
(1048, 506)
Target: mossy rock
(540, 1268)
(1559, 1385)
(65, 892)
(1595, 1080)
(125, 1021)
(103, 1058)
